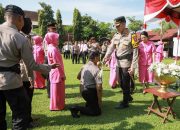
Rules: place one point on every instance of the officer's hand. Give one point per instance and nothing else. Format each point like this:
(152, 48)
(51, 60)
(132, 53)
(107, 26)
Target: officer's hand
(131, 71)
(31, 87)
(105, 60)
(53, 66)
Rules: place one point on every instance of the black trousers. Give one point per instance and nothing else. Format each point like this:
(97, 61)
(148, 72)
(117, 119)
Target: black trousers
(126, 83)
(92, 107)
(79, 57)
(48, 86)
(84, 56)
(74, 58)
(18, 101)
(30, 92)
(47, 78)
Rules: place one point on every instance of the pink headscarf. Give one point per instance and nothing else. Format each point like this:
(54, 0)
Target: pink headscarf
(52, 38)
(37, 40)
(160, 42)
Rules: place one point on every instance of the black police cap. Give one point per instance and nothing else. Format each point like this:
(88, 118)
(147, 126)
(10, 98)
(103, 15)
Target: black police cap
(120, 19)
(14, 9)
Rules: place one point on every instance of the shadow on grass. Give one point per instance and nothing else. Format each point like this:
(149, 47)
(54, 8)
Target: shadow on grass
(136, 126)
(109, 115)
(106, 93)
(37, 93)
(72, 86)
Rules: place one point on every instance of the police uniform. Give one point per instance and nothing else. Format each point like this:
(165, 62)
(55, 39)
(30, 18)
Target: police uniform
(90, 78)
(126, 58)
(14, 47)
(27, 74)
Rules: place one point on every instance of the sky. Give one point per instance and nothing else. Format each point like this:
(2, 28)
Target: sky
(101, 10)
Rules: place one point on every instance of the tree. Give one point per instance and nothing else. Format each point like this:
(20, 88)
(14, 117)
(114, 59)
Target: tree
(60, 29)
(91, 27)
(104, 30)
(134, 24)
(77, 27)
(1, 14)
(45, 16)
(68, 28)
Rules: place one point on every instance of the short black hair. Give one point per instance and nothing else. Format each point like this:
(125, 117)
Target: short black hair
(27, 26)
(145, 34)
(94, 54)
(92, 38)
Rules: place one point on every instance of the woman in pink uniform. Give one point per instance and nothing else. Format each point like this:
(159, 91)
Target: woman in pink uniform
(57, 76)
(112, 63)
(146, 51)
(159, 52)
(38, 52)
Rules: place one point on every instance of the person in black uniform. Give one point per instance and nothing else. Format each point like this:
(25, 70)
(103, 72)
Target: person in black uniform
(26, 73)
(91, 82)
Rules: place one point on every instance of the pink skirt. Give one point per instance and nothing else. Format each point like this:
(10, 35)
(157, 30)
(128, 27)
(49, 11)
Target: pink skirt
(145, 76)
(57, 99)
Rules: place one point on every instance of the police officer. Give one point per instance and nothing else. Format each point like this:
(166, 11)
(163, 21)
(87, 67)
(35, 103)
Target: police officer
(121, 42)
(91, 82)
(26, 73)
(14, 47)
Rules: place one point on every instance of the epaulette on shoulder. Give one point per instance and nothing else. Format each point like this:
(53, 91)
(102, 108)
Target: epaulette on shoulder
(134, 40)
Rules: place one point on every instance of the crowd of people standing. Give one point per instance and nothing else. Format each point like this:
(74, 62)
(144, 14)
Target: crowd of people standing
(79, 51)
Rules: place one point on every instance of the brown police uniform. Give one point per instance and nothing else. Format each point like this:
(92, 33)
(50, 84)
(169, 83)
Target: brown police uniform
(14, 47)
(90, 78)
(126, 57)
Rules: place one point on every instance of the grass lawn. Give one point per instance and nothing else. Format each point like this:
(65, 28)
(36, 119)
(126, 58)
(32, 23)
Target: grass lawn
(133, 118)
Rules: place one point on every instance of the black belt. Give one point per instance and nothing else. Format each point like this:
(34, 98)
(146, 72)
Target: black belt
(15, 68)
(127, 56)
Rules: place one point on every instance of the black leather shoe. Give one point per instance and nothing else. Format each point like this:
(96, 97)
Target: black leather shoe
(74, 112)
(122, 106)
(32, 125)
(130, 99)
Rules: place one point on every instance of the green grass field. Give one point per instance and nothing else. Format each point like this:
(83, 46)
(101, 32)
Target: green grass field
(133, 118)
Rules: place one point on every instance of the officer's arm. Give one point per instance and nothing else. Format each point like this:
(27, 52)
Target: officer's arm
(110, 50)
(27, 56)
(99, 88)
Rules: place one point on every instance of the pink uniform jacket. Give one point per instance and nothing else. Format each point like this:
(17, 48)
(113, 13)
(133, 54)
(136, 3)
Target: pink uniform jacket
(145, 51)
(57, 76)
(38, 54)
(159, 52)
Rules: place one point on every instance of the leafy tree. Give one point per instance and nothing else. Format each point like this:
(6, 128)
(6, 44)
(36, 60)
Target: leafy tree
(45, 16)
(1, 14)
(68, 28)
(134, 24)
(60, 29)
(95, 28)
(104, 30)
(77, 27)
